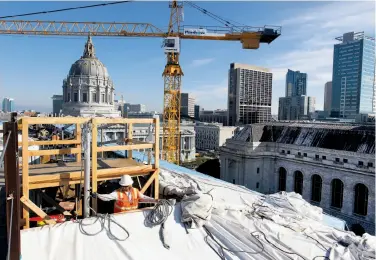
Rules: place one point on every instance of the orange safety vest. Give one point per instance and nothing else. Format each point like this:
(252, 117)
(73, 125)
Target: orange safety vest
(123, 204)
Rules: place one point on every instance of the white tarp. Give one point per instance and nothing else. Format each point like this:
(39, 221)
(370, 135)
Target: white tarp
(242, 225)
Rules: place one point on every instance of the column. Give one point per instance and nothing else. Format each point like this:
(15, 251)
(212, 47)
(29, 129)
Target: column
(326, 195)
(289, 181)
(307, 187)
(348, 199)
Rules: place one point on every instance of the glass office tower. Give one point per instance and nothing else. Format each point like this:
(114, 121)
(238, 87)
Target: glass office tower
(353, 75)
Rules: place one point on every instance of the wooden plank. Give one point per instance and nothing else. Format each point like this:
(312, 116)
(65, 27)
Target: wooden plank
(12, 187)
(156, 144)
(124, 147)
(150, 181)
(55, 151)
(52, 142)
(94, 164)
(102, 120)
(25, 167)
(79, 139)
(29, 204)
(56, 120)
(156, 185)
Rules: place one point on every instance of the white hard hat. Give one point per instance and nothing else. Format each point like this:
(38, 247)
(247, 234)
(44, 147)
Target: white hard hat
(126, 180)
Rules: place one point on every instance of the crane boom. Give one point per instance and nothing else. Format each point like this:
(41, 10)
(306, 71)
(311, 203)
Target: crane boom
(250, 37)
(244, 34)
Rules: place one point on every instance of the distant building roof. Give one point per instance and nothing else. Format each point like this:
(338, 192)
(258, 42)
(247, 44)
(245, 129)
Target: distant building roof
(346, 137)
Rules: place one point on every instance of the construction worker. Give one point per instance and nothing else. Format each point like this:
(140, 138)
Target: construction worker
(126, 197)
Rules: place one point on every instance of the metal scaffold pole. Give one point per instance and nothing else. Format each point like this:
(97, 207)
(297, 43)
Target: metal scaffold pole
(86, 132)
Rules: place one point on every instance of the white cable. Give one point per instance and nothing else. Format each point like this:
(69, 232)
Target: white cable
(10, 224)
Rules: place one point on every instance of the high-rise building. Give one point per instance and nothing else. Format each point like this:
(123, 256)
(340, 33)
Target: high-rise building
(197, 112)
(296, 104)
(328, 96)
(57, 104)
(296, 83)
(353, 75)
(249, 94)
(187, 107)
(8, 105)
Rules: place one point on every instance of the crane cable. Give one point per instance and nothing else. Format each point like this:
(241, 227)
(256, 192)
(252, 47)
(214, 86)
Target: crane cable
(221, 19)
(65, 9)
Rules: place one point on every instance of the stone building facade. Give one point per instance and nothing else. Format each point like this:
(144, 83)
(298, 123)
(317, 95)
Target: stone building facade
(332, 166)
(212, 136)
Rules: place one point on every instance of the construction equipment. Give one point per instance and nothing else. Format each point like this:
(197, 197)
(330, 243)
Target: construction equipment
(250, 37)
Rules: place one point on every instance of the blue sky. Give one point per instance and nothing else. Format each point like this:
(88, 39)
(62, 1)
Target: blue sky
(32, 68)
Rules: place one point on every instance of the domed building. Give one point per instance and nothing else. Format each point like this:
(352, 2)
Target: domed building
(88, 89)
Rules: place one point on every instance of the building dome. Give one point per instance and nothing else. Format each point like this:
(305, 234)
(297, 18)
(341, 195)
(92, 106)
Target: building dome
(85, 67)
(88, 89)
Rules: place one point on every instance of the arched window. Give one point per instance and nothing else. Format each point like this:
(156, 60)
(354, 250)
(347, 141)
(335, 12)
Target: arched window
(282, 179)
(361, 199)
(298, 182)
(316, 188)
(337, 193)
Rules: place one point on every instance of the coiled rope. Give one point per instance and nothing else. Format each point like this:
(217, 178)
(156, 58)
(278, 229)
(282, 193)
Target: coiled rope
(158, 216)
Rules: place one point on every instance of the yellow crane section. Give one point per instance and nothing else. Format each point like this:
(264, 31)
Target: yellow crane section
(249, 37)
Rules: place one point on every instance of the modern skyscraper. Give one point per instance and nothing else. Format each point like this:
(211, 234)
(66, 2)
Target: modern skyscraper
(57, 104)
(328, 97)
(8, 105)
(296, 83)
(197, 112)
(296, 104)
(353, 75)
(187, 107)
(249, 94)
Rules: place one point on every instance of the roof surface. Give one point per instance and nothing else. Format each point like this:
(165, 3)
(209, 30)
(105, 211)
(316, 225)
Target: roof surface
(353, 138)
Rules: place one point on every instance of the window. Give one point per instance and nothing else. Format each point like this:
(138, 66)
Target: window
(305, 154)
(75, 97)
(324, 157)
(370, 164)
(360, 163)
(288, 152)
(299, 153)
(233, 181)
(282, 179)
(345, 160)
(316, 188)
(258, 170)
(361, 199)
(283, 151)
(94, 97)
(102, 98)
(84, 97)
(337, 159)
(298, 182)
(68, 97)
(257, 185)
(337, 193)
(317, 156)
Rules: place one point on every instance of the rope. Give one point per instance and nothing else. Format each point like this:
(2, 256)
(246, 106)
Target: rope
(103, 219)
(158, 216)
(10, 224)
(5, 147)
(221, 254)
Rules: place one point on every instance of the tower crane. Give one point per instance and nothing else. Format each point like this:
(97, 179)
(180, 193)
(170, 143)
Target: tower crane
(249, 37)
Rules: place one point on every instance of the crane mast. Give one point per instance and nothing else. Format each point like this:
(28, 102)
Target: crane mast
(172, 75)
